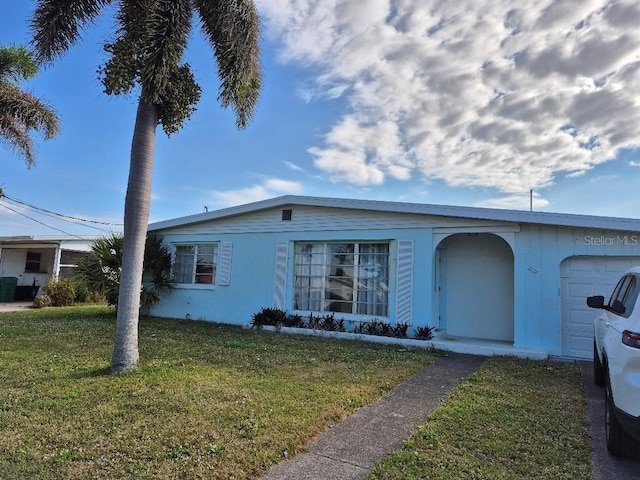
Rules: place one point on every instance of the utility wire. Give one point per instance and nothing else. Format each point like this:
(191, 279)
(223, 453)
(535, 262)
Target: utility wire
(53, 215)
(41, 223)
(60, 215)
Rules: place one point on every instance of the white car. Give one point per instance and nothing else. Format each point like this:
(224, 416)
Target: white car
(616, 363)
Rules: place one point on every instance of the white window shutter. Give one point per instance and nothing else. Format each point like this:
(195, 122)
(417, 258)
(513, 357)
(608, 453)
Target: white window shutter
(224, 266)
(280, 283)
(404, 292)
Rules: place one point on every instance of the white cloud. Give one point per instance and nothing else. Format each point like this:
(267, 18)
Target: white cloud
(516, 202)
(477, 92)
(271, 187)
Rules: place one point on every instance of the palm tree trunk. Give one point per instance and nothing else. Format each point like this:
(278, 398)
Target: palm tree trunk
(136, 220)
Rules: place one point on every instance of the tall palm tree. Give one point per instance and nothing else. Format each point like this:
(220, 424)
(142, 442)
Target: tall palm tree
(20, 111)
(146, 56)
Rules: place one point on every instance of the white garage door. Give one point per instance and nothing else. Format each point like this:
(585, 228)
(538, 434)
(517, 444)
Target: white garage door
(579, 278)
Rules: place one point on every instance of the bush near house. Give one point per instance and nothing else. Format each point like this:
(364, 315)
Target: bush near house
(64, 292)
(100, 269)
(279, 318)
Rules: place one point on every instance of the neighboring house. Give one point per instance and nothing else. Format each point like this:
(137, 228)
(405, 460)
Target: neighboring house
(32, 259)
(514, 281)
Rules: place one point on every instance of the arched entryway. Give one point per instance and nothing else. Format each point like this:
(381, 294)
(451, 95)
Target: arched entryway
(475, 284)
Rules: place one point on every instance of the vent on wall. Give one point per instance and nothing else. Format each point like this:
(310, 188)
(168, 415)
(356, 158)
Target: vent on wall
(286, 214)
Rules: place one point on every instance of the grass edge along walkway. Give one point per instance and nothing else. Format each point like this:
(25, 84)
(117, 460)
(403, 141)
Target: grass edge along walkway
(350, 449)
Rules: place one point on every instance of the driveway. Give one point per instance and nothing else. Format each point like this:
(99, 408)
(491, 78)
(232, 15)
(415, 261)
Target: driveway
(605, 466)
(14, 306)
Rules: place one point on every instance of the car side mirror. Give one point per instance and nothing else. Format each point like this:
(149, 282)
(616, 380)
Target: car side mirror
(595, 301)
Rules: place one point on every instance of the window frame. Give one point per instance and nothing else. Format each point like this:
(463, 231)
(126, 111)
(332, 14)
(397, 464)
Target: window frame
(626, 293)
(33, 262)
(194, 284)
(351, 277)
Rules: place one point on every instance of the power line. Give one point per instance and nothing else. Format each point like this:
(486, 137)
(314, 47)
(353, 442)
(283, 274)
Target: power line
(38, 221)
(59, 215)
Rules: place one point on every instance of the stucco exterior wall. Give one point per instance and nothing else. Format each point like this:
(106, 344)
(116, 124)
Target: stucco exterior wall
(538, 251)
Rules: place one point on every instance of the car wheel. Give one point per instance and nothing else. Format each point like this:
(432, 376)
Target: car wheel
(598, 370)
(619, 443)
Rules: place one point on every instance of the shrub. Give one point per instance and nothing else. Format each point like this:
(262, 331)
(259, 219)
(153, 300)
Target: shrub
(314, 322)
(378, 327)
(61, 292)
(41, 301)
(424, 333)
(268, 316)
(329, 323)
(294, 320)
(400, 330)
(100, 270)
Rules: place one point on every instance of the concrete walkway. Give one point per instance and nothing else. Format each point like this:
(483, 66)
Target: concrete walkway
(351, 448)
(15, 306)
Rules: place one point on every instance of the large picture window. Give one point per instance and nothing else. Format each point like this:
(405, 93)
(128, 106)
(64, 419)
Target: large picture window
(342, 277)
(195, 263)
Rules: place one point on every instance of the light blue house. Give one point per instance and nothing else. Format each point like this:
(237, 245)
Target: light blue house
(488, 280)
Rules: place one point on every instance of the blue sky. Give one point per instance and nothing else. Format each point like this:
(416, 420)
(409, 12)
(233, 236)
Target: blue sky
(463, 103)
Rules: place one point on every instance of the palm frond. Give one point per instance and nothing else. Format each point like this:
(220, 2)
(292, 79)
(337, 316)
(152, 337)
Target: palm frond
(16, 137)
(17, 64)
(31, 112)
(57, 24)
(233, 29)
(166, 32)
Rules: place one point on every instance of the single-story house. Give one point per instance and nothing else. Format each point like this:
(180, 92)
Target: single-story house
(502, 278)
(32, 259)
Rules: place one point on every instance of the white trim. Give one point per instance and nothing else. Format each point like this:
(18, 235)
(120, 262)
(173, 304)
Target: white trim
(404, 282)
(280, 282)
(223, 270)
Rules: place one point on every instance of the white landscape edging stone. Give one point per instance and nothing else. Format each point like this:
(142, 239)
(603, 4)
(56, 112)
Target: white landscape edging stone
(460, 346)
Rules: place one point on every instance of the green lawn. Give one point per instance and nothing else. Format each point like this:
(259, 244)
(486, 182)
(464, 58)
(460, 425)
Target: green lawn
(512, 419)
(208, 401)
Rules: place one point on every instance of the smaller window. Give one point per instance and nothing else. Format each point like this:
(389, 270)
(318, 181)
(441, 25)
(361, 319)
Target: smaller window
(287, 214)
(195, 263)
(33, 263)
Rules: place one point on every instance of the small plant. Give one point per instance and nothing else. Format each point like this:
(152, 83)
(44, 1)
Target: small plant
(424, 332)
(293, 320)
(360, 328)
(399, 330)
(268, 316)
(41, 301)
(329, 323)
(378, 327)
(61, 292)
(314, 322)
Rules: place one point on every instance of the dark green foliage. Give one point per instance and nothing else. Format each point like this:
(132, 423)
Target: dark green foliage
(294, 321)
(360, 328)
(100, 269)
(329, 323)
(314, 322)
(268, 316)
(400, 330)
(378, 328)
(424, 333)
(279, 318)
(20, 111)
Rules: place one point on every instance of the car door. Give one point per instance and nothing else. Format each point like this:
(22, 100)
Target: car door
(612, 321)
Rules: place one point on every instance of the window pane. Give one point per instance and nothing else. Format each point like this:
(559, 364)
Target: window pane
(183, 267)
(205, 266)
(342, 277)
